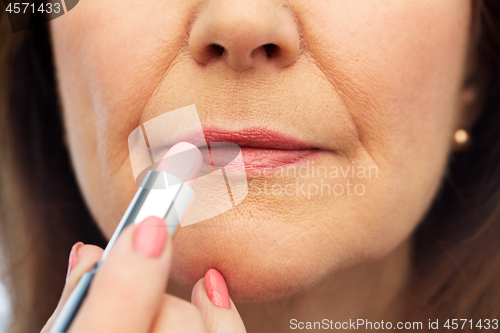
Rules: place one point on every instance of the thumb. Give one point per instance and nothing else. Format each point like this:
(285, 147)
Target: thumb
(81, 260)
(211, 297)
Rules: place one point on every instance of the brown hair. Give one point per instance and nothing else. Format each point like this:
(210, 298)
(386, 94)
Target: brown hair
(41, 210)
(456, 271)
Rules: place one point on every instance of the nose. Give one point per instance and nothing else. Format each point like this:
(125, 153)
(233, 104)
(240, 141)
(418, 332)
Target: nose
(245, 34)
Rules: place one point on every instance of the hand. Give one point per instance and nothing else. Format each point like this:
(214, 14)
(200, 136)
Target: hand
(128, 295)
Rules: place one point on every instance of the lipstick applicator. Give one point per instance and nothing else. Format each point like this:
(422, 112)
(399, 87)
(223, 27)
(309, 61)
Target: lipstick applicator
(165, 193)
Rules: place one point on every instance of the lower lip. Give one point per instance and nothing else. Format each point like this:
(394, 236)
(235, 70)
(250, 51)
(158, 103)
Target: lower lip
(257, 160)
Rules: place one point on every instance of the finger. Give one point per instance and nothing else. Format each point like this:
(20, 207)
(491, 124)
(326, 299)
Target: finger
(81, 260)
(179, 316)
(211, 297)
(127, 290)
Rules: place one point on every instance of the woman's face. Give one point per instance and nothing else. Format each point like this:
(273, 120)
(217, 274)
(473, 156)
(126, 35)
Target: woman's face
(375, 86)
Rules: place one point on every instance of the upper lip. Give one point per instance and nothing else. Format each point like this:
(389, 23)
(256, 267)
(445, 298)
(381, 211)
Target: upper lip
(256, 138)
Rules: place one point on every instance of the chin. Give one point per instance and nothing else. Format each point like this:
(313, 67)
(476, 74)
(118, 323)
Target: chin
(258, 262)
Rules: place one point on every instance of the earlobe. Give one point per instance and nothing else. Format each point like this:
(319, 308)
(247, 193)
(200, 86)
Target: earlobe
(469, 110)
(470, 107)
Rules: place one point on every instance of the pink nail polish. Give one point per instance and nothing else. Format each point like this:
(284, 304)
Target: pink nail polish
(150, 236)
(217, 289)
(73, 258)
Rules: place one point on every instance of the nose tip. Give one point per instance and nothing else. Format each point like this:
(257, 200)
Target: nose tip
(245, 34)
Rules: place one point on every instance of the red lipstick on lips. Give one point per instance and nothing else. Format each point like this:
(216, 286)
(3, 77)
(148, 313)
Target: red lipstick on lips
(262, 149)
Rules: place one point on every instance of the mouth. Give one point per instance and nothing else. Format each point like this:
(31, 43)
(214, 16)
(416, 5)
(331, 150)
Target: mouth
(262, 149)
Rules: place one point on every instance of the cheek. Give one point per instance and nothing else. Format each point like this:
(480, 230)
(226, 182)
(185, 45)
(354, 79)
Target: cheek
(398, 67)
(105, 83)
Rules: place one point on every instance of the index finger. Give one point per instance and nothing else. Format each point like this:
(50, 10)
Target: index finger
(87, 256)
(128, 288)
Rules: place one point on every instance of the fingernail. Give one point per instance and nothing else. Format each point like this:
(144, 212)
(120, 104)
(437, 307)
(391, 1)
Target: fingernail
(217, 289)
(73, 258)
(150, 236)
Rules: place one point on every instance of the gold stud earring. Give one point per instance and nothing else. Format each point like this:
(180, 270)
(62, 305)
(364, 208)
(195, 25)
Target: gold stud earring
(461, 139)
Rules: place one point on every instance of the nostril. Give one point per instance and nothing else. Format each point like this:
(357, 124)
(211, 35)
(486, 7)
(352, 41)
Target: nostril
(271, 50)
(215, 50)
